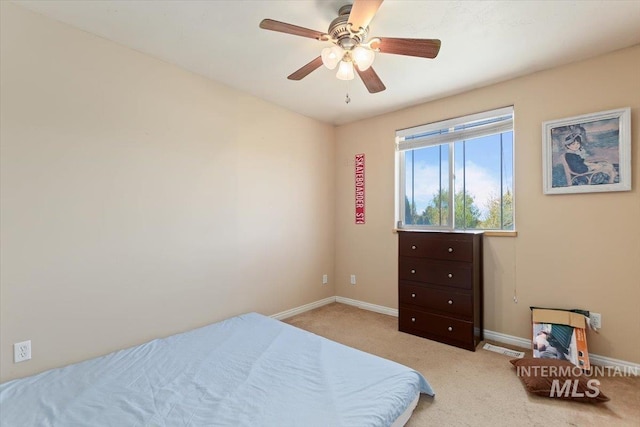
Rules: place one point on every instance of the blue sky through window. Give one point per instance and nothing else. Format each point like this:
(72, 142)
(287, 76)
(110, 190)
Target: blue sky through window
(427, 170)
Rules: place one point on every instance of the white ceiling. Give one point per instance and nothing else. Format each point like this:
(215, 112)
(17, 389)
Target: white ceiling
(483, 42)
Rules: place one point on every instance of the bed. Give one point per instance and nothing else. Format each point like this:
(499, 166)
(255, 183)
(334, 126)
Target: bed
(249, 370)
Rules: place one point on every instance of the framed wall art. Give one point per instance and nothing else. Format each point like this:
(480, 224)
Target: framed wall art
(588, 153)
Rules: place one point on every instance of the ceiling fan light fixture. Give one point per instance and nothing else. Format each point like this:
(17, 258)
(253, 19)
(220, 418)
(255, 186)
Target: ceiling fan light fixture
(345, 71)
(350, 46)
(363, 57)
(331, 56)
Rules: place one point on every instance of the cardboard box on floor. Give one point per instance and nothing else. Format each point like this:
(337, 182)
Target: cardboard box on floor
(560, 334)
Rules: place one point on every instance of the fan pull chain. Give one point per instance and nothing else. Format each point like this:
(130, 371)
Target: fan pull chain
(346, 98)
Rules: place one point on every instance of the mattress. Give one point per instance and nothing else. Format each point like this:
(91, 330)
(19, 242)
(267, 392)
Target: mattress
(248, 370)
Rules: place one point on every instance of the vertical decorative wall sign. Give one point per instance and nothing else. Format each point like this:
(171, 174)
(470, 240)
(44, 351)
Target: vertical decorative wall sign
(359, 171)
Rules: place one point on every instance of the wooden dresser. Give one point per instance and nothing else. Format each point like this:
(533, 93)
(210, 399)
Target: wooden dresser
(440, 286)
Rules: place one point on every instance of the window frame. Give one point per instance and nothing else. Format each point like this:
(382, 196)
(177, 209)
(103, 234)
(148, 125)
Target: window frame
(431, 135)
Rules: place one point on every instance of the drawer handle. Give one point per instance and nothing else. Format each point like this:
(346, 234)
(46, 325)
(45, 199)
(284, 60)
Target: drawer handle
(450, 275)
(450, 302)
(413, 295)
(413, 319)
(413, 247)
(413, 272)
(450, 329)
(450, 250)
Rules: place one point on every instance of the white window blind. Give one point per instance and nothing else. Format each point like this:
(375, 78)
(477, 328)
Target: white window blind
(457, 129)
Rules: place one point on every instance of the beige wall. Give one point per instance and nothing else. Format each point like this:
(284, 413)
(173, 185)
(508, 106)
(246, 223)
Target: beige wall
(572, 251)
(139, 200)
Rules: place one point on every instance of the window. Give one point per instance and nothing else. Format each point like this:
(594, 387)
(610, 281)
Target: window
(457, 174)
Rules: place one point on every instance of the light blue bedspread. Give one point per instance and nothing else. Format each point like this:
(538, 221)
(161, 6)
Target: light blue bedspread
(249, 370)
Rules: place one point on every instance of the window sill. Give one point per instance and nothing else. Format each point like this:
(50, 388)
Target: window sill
(500, 233)
(488, 233)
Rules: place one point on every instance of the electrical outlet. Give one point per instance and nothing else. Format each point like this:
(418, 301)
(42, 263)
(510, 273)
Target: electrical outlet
(21, 351)
(596, 320)
(353, 279)
(325, 279)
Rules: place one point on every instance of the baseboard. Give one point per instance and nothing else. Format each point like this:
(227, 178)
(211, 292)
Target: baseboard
(303, 308)
(507, 339)
(626, 367)
(368, 306)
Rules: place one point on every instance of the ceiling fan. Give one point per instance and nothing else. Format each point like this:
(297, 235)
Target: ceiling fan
(351, 50)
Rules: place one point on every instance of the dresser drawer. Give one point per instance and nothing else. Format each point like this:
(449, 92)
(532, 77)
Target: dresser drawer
(453, 274)
(433, 299)
(440, 281)
(433, 324)
(444, 246)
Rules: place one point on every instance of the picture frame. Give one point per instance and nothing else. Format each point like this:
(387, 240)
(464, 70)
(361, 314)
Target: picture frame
(587, 153)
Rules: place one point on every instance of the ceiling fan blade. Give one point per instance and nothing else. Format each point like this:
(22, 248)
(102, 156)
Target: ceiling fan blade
(362, 12)
(270, 24)
(371, 80)
(424, 48)
(306, 70)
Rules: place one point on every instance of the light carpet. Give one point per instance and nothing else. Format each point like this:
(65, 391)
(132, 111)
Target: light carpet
(478, 388)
